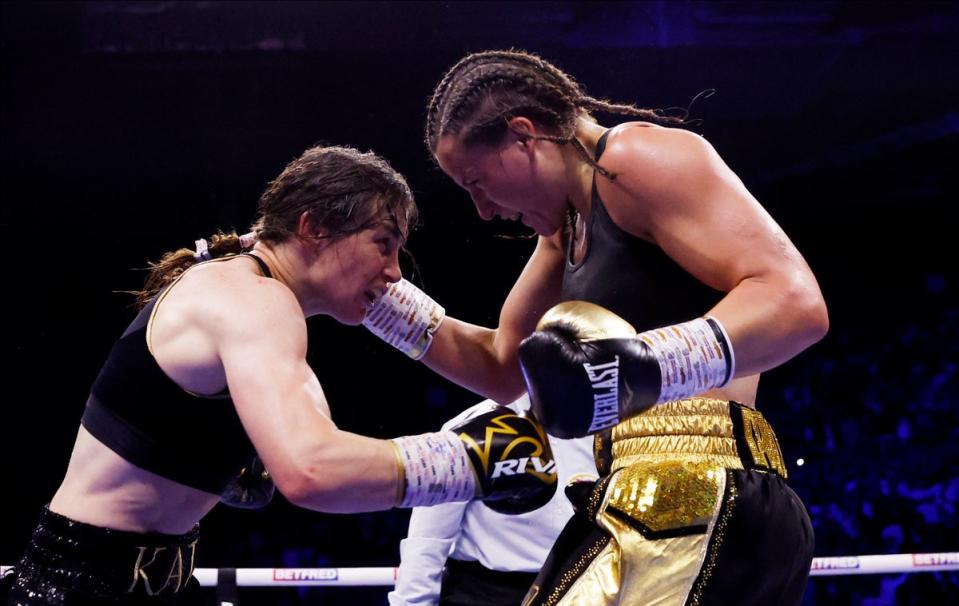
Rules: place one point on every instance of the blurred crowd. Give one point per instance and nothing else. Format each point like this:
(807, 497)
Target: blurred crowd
(875, 420)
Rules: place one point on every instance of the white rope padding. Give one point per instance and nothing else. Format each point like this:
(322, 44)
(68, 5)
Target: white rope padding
(885, 564)
(386, 576)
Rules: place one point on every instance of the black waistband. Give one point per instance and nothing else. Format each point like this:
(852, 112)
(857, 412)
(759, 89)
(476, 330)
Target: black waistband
(109, 539)
(105, 562)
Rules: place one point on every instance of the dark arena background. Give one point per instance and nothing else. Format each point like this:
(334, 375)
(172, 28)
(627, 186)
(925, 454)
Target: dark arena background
(132, 128)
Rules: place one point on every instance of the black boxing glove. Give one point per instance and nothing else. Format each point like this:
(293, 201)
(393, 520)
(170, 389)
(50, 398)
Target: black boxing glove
(512, 459)
(252, 489)
(500, 457)
(586, 369)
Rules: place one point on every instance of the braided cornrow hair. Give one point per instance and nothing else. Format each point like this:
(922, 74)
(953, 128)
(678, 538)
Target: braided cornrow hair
(477, 97)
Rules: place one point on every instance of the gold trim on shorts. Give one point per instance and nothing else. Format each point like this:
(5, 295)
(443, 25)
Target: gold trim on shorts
(762, 442)
(697, 430)
(670, 467)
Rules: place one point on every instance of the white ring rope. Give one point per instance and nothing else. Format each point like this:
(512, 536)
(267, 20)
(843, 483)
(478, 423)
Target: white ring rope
(386, 576)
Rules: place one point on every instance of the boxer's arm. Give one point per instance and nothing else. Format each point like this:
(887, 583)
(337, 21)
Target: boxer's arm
(433, 533)
(673, 189)
(260, 335)
(586, 369)
(485, 360)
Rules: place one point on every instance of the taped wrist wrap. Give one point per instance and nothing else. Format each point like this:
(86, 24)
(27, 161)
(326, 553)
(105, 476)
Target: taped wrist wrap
(406, 318)
(434, 468)
(694, 357)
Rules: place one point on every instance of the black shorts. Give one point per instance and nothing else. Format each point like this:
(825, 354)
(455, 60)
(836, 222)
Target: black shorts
(696, 512)
(69, 563)
(472, 584)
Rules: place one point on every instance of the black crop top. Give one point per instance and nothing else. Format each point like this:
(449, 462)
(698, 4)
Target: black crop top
(630, 276)
(137, 411)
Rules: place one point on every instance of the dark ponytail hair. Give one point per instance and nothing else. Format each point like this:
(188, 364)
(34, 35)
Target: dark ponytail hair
(344, 190)
(174, 263)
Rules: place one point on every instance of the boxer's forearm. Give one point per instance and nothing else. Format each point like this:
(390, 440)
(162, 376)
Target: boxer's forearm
(770, 320)
(483, 360)
(343, 473)
(477, 358)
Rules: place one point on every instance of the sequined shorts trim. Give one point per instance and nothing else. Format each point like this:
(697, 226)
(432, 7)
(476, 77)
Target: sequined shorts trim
(70, 559)
(670, 496)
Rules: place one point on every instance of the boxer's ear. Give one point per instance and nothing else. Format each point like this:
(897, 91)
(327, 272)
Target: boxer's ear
(308, 229)
(522, 132)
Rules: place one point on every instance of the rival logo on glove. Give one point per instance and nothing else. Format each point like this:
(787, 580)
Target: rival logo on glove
(504, 435)
(604, 379)
(511, 467)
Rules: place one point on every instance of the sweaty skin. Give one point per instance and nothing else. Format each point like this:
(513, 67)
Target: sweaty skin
(223, 324)
(673, 190)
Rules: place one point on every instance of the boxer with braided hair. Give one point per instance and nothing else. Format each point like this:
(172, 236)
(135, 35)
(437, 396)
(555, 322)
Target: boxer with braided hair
(523, 83)
(208, 397)
(658, 290)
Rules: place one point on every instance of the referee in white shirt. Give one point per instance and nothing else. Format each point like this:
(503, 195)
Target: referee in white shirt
(466, 554)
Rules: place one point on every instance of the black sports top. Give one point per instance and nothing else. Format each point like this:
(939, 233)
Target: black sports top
(137, 411)
(630, 276)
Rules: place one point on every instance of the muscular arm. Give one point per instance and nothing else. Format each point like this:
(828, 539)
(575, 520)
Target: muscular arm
(484, 359)
(674, 190)
(260, 336)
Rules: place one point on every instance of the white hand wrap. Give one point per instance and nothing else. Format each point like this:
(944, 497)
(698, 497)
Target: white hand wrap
(694, 357)
(406, 318)
(434, 468)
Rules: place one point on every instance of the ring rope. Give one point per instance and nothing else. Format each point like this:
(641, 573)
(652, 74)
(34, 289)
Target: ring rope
(386, 576)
